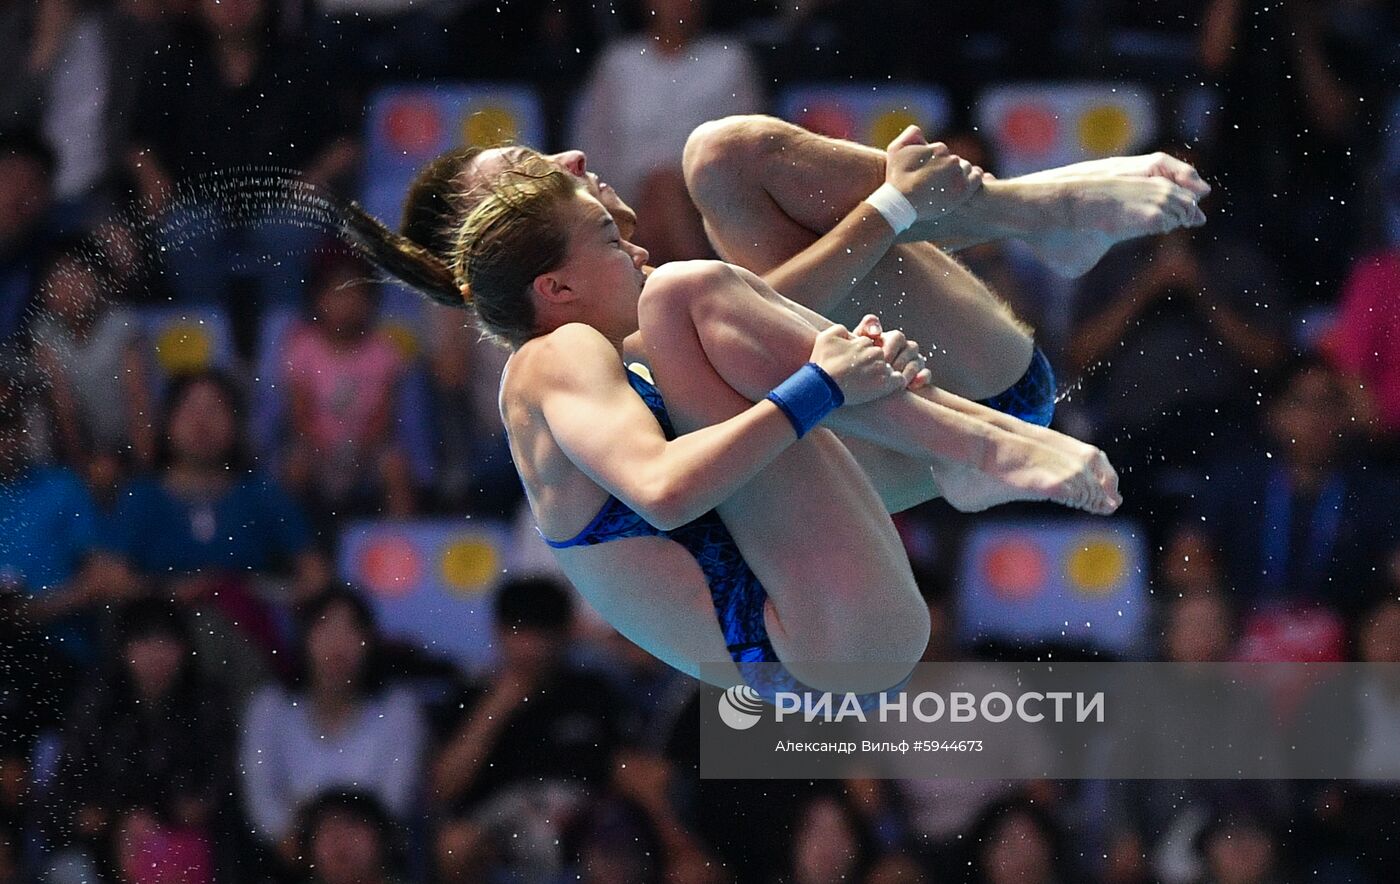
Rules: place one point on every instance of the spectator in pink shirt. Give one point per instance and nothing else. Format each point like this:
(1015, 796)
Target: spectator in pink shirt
(344, 378)
(1365, 343)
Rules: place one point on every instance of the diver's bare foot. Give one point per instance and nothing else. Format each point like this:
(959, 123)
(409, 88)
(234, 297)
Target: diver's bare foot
(1150, 165)
(1021, 468)
(1068, 446)
(1099, 212)
(1099, 466)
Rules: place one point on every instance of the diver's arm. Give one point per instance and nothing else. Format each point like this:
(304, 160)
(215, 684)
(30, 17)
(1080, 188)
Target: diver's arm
(607, 431)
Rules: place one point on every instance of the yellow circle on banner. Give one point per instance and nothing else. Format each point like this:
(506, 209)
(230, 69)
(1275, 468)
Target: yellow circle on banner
(1105, 130)
(184, 347)
(489, 126)
(402, 336)
(468, 565)
(1096, 565)
(889, 124)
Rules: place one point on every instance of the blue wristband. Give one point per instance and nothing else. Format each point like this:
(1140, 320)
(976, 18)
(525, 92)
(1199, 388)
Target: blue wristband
(806, 397)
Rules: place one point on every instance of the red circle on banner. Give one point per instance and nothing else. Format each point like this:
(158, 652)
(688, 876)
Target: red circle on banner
(829, 118)
(413, 126)
(1030, 129)
(1014, 568)
(390, 566)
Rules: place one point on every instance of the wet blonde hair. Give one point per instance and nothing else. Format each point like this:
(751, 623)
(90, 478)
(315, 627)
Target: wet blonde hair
(518, 231)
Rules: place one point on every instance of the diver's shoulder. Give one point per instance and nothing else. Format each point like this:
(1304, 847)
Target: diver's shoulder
(570, 354)
(565, 352)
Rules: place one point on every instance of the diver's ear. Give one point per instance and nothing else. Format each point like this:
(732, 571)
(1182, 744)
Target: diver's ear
(550, 287)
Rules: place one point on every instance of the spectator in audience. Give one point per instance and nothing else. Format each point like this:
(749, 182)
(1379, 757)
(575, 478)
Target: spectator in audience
(1241, 848)
(544, 41)
(92, 356)
(130, 254)
(1302, 521)
(1298, 84)
(1189, 564)
(374, 41)
(206, 521)
(938, 813)
(233, 93)
(48, 529)
(147, 760)
(474, 470)
(27, 166)
(642, 796)
(1147, 817)
(62, 87)
(1199, 629)
(348, 838)
(896, 868)
(1170, 337)
(1365, 342)
(644, 97)
(529, 748)
(829, 842)
(1347, 824)
(617, 845)
(344, 379)
(1017, 842)
(340, 726)
(72, 67)
(38, 686)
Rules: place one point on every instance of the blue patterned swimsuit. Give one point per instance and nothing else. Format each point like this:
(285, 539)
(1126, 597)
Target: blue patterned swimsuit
(737, 595)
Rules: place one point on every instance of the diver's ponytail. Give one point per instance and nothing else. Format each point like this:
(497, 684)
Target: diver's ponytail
(478, 251)
(401, 257)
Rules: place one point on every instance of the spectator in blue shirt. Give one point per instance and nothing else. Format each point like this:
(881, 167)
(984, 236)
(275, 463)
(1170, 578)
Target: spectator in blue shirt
(210, 530)
(48, 529)
(1303, 521)
(207, 513)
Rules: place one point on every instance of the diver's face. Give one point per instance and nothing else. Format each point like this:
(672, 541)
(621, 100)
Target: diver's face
(574, 162)
(603, 270)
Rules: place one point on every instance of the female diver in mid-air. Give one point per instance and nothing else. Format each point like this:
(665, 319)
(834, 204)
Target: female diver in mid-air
(785, 536)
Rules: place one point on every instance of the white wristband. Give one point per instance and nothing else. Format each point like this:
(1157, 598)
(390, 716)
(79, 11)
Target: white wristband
(894, 206)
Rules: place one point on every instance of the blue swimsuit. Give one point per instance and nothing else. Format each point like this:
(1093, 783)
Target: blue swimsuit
(737, 595)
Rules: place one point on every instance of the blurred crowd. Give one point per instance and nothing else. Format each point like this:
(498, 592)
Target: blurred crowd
(189, 694)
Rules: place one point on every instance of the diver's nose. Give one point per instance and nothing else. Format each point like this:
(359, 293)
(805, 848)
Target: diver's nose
(573, 160)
